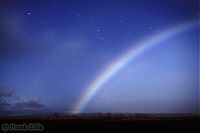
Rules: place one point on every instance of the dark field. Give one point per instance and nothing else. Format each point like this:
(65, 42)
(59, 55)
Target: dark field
(105, 122)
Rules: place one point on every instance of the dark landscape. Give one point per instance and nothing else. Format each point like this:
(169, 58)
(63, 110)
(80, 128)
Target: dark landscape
(109, 121)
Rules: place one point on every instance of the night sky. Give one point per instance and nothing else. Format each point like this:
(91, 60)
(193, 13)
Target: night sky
(53, 51)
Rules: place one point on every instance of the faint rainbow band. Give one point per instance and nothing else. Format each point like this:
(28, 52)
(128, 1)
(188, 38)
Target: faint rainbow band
(113, 68)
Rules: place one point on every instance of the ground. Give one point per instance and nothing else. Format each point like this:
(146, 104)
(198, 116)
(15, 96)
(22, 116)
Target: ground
(105, 122)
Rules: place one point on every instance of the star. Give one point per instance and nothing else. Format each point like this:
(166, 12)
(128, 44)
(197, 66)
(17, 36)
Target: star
(102, 38)
(98, 30)
(29, 13)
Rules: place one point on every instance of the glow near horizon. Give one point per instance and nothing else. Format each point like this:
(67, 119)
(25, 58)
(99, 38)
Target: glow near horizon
(112, 69)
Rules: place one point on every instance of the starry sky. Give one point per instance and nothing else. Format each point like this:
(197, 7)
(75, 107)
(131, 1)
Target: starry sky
(52, 50)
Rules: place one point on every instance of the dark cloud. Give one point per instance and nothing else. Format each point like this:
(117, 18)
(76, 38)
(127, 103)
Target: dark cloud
(3, 107)
(8, 108)
(5, 94)
(28, 105)
(4, 104)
